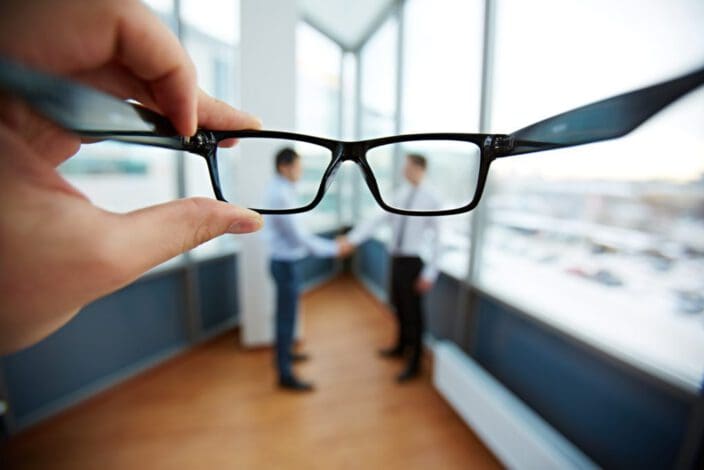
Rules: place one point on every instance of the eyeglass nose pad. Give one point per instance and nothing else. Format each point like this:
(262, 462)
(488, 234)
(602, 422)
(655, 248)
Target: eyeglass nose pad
(331, 175)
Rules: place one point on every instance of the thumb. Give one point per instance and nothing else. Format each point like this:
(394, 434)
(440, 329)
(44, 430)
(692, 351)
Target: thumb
(150, 236)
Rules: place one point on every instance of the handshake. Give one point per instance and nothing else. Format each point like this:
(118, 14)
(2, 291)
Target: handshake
(344, 246)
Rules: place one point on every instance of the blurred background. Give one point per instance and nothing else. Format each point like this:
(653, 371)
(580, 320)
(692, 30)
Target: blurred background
(571, 300)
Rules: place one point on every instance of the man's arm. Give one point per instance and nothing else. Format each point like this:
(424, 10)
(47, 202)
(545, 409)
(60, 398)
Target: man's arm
(366, 229)
(430, 271)
(290, 227)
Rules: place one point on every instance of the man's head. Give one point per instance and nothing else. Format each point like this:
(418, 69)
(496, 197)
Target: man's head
(288, 164)
(415, 167)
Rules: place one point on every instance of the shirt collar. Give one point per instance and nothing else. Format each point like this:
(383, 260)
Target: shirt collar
(283, 181)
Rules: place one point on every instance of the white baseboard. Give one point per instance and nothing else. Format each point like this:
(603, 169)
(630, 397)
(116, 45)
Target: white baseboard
(515, 433)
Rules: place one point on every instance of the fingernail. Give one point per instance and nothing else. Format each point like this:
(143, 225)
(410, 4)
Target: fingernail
(255, 120)
(246, 225)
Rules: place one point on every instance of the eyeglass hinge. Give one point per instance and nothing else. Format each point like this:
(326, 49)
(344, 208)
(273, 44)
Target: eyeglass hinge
(503, 143)
(201, 143)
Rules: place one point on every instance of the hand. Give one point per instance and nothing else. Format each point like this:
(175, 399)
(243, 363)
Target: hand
(423, 285)
(59, 251)
(344, 246)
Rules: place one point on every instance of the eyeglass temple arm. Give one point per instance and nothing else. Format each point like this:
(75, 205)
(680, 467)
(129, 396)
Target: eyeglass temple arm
(88, 112)
(607, 119)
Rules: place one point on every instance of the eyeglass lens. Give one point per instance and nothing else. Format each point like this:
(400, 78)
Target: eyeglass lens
(421, 176)
(426, 176)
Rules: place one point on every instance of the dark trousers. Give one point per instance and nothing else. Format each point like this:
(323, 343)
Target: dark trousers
(408, 305)
(288, 282)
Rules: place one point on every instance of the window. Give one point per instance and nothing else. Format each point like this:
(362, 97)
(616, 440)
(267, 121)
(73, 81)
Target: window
(345, 178)
(605, 241)
(378, 67)
(441, 87)
(120, 177)
(210, 33)
(318, 108)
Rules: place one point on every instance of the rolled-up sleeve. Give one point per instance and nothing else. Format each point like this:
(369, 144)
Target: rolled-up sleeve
(289, 226)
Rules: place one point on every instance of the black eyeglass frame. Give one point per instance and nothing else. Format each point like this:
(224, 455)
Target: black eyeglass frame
(205, 144)
(93, 114)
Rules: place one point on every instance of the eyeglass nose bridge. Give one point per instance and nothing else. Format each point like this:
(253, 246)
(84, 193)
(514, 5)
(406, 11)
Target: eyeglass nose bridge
(356, 152)
(344, 152)
(351, 151)
(339, 156)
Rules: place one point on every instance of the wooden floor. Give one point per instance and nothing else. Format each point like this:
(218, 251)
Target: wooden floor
(216, 407)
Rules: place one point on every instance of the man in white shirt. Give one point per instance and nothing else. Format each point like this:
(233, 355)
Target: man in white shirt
(411, 277)
(289, 243)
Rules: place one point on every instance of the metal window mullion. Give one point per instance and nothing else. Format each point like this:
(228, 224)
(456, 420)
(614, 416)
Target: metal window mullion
(478, 219)
(340, 130)
(191, 291)
(398, 105)
(357, 176)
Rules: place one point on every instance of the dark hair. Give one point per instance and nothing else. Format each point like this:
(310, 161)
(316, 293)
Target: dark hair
(285, 157)
(418, 159)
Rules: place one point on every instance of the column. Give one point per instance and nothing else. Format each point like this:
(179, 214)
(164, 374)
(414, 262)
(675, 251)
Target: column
(268, 90)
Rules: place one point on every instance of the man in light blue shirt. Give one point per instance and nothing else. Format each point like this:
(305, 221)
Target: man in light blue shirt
(289, 243)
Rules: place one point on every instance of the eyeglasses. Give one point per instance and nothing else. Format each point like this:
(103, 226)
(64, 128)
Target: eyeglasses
(452, 166)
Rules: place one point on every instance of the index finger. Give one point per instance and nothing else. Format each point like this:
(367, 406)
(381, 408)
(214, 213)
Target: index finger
(152, 52)
(215, 114)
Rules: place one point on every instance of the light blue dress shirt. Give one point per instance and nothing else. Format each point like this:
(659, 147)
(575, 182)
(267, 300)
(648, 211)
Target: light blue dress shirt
(287, 238)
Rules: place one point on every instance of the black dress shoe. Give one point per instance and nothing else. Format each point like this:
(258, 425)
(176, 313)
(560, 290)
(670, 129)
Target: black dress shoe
(292, 383)
(394, 352)
(409, 374)
(299, 357)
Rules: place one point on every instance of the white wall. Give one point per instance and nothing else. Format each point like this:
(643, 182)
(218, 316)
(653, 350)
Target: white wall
(267, 55)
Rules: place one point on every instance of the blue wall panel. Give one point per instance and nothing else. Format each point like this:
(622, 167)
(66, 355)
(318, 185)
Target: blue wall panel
(218, 295)
(373, 262)
(440, 308)
(115, 332)
(618, 417)
(313, 268)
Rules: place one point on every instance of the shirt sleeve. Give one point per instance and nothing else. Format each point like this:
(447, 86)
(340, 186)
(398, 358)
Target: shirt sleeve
(434, 227)
(366, 229)
(289, 226)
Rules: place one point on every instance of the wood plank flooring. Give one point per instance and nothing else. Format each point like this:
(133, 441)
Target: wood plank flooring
(216, 407)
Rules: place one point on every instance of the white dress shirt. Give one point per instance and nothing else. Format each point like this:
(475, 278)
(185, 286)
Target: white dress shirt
(421, 235)
(288, 240)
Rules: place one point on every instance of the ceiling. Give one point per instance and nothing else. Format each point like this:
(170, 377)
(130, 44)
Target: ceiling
(346, 22)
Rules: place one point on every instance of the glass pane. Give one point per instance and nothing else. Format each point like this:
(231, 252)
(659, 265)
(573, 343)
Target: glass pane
(120, 177)
(214, 56)
(165, 7)
(318, 96)
(378, 66)
(448, 169)
(210, 33)
(346, 177)
(301, 178)
(442, 91)
(603, 241)
(217, 18)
